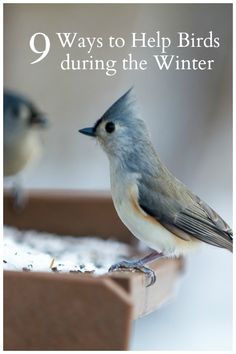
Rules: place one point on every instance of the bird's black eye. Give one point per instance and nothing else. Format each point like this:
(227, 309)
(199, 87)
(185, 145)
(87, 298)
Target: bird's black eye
(110, 127)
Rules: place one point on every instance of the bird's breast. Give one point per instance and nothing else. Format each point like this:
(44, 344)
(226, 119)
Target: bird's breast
(17, 155)
(146, 228)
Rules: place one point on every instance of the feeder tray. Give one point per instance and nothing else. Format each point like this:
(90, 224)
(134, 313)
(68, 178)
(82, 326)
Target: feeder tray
(60, 311)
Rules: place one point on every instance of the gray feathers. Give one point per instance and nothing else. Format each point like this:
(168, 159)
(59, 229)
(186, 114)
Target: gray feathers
(130, 137)
(181, 212)
(20, 114)
(124, 113)
(13, 102)
(123, 108)
(21, 122)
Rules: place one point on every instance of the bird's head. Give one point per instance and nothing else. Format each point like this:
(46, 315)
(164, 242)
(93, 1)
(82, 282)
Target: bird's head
(20, 116)
(120, 128)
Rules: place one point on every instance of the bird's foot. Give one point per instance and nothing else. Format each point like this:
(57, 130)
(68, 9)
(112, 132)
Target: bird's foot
(19, 198)
(135, 265)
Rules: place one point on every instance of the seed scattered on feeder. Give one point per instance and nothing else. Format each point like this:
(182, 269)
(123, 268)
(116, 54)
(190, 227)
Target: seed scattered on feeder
(52, 262)
(25, 269)
(40, 251)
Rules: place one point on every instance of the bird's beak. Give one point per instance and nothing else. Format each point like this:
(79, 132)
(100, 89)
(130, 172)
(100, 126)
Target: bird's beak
(39, 120)
(88, 131)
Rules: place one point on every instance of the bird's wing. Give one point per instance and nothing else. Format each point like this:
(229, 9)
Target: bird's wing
(170, 202)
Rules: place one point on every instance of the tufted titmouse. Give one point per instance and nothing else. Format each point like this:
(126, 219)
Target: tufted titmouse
(21, 140)
(155, 206)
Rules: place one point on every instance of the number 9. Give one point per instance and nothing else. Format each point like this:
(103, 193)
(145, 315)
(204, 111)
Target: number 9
(43, 52)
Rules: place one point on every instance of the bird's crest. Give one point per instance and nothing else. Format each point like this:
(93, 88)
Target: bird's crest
(123, 108)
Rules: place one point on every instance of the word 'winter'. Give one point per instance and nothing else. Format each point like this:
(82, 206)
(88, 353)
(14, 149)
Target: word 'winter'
(165, 62)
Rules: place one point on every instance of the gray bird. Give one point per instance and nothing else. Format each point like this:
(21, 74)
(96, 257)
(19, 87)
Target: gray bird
(154, 205)
(21, 136)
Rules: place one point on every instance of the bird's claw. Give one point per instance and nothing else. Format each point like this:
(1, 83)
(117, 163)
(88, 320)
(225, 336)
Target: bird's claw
(133, 266)
(19, 199)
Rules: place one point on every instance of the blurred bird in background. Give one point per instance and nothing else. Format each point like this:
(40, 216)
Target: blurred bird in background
(155, 206)
(22, 146)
